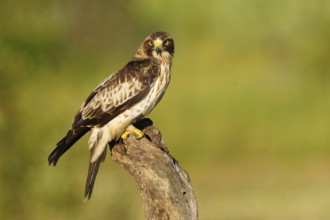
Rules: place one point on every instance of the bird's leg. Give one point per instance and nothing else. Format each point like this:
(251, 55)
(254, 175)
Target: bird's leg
(133, 129)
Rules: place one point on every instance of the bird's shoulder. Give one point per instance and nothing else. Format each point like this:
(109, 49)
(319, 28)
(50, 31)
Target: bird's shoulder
(142, 70)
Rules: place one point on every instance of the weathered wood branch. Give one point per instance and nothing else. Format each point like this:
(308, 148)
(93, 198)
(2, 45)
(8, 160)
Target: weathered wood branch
(164, 185)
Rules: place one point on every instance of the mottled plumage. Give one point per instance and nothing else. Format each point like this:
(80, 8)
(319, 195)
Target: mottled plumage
(123, 98)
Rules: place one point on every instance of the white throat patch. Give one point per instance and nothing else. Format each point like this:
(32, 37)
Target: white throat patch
(164, 55)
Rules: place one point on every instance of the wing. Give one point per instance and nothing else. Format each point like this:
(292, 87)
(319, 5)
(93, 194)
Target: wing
(119, 92)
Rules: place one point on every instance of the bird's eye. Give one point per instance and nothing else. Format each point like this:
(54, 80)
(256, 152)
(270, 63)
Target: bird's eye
(167, 43)
(150, 43)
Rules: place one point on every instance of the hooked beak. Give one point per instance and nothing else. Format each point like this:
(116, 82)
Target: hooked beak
(158, 50)
(158, 45)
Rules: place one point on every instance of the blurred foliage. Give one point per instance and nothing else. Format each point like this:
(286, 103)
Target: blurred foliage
(247, 111)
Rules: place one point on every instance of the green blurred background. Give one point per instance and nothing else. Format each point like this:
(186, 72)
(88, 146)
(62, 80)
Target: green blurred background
(246, 113)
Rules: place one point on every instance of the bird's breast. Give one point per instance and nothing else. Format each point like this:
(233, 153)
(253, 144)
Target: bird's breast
(157, 89)
(142, 108)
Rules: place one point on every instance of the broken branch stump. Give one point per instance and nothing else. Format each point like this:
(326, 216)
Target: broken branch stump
(164, 185)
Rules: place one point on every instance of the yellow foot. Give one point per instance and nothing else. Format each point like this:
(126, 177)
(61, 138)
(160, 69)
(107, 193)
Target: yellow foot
(133, 129)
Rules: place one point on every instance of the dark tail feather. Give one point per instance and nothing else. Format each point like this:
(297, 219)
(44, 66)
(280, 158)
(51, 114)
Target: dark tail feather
(91, 176)
(71, 137)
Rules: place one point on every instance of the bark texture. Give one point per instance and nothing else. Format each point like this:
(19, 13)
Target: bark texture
(164, 185)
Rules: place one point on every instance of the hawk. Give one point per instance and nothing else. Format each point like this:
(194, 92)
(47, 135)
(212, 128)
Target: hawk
(122, 99)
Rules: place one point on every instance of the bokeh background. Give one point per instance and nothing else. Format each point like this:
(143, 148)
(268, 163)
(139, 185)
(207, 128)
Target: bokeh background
(246, 113)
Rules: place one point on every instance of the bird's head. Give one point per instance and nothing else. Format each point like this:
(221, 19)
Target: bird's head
(159, 45)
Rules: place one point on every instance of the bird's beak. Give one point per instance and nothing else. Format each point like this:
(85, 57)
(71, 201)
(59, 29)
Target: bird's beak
(158, 50)
(158, 45)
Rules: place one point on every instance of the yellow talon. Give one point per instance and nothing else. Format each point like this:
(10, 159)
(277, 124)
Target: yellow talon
(133, 129)
(125, 134)
(139, 133)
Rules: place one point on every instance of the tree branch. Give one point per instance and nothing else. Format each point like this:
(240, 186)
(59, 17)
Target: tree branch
(164, 185)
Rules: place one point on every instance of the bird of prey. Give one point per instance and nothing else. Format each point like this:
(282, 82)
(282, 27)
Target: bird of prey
(122, 99)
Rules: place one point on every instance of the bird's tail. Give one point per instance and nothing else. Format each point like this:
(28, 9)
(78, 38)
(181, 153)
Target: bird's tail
(63, 145)
(92, 172)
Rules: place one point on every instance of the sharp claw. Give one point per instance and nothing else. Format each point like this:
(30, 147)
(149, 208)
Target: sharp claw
(139, 133)
(125, 134)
